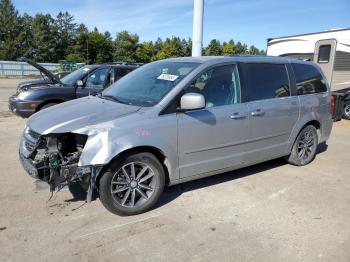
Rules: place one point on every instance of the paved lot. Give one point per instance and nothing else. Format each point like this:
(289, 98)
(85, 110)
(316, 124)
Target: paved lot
(269, 212)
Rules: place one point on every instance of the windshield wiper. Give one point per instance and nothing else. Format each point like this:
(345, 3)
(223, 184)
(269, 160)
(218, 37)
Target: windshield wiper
(112, 98)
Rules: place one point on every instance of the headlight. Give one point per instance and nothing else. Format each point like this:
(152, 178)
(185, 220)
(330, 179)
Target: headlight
(22, 95)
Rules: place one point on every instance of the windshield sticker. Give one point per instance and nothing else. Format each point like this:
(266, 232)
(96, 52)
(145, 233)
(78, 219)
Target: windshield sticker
(167, 77)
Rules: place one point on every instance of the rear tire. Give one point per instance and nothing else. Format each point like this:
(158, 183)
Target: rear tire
(304, 147)
(346, 111)
(132, 185)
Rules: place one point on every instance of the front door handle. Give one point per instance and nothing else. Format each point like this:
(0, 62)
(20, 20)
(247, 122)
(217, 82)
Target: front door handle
(238, 116)
(258, 112)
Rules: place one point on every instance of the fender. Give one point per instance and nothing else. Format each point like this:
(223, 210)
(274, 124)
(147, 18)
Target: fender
(309, 115)
(104, 146)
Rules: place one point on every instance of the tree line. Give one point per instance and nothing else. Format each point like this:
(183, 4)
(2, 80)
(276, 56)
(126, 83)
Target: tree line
(45, 38)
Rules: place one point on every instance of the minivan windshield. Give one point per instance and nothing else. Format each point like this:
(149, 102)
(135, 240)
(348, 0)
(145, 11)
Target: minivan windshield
(72, 78)
(147, 85)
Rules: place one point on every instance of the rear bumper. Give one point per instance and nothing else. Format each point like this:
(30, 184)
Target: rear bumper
(20, 107)
(326, 128)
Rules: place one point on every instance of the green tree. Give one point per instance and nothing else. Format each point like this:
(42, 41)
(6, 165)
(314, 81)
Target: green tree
(78, 51)
(187, 47)
(66, 28)
(228, 48)
(158, 45)
(100, 47)
(240, 48)
(24, 40)
(146, 52)
(45, 37)
(172, 47)
(8, 29)
(125, 46)
(214, 48)
(262, 52)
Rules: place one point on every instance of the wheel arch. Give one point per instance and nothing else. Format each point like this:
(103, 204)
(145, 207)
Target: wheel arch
(44, 103)
(158, 153)
(314, 123)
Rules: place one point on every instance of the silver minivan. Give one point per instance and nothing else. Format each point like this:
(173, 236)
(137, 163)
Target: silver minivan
(177, 120)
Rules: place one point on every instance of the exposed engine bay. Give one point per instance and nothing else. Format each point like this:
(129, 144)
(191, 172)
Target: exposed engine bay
(54, 159)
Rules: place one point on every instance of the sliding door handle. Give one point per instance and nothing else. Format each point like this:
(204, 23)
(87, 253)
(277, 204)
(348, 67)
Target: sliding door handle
(258, 112)
(238, 116)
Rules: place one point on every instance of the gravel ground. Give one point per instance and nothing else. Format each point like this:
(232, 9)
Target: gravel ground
(268, 212)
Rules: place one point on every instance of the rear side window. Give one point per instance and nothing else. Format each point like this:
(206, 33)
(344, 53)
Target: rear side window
(265, 81)
(120, 72)
(309, 80)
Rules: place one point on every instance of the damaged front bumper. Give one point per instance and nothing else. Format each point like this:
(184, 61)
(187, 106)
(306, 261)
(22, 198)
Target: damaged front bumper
(54, 159)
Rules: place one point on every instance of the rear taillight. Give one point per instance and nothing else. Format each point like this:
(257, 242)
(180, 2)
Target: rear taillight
(332, 104)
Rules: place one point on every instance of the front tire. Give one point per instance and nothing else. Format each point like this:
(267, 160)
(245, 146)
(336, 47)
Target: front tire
(346, 111)
(78, 190)
(132, 185)
(304, 147)
(47, 106)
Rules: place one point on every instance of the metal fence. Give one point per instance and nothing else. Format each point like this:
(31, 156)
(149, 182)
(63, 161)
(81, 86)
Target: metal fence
(13, 68)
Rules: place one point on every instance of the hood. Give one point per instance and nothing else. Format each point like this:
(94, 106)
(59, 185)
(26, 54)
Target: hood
(77, 114)
(53, 78)
(28, 84)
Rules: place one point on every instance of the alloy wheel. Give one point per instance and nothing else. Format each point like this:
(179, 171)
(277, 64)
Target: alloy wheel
(306, 145)
(347, 110)
(133, 184)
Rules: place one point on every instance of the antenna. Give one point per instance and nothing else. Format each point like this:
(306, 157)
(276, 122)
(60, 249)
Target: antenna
(87, 79)
(87, 51)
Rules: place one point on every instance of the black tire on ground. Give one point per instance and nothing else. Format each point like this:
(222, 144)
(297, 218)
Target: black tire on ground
(47, 105)
(304, 148)
(77, 190)
(346, 110)
(141, 176)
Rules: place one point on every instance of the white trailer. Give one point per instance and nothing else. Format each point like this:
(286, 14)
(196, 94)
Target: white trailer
(330, 49)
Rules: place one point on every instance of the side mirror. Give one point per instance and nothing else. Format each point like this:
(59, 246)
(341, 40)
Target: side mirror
(192, 101)
(80, 83)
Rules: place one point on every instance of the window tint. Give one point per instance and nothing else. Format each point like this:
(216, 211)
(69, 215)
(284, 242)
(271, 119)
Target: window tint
(324, 53)
(97, 78)
(120, 72)
(309, 79)
(220, 86)
(72, 78)
(264, 81)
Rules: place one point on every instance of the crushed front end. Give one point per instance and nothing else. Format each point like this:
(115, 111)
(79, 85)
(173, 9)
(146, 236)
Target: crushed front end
(54, 159)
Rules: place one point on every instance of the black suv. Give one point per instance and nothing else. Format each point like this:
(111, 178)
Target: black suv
(88, 80)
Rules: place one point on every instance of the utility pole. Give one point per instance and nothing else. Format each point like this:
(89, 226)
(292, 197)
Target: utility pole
(197, 41)
(87, 51)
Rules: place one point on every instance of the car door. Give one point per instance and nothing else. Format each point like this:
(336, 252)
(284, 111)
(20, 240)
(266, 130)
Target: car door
(324, 55)
(95, 82)
(273, 111)
(213, 138)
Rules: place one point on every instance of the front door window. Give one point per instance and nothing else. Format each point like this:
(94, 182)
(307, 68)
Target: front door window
(98, 78)
(219, 86)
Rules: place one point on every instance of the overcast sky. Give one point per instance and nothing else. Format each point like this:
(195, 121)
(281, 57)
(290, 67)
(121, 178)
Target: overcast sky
(251, 21)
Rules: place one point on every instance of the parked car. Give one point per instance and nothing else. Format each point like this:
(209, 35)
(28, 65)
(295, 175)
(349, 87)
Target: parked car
(177, 120)
(89, 80)
(47, 77)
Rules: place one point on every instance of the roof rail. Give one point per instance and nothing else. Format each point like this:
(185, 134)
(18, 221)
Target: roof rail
(245, 55)
(126, 63)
